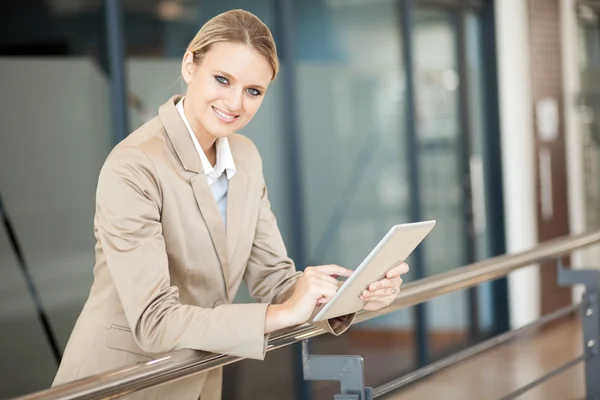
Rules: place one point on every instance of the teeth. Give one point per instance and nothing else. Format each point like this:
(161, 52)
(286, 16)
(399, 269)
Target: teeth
(222, 114)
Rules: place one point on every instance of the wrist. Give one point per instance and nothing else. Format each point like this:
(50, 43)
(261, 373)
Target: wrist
(279, 316)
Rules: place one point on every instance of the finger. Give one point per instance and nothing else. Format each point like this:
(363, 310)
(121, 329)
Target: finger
(327, 278)
(323, 300)
(316, 276)
(385, 283)
(397, 271)
(334, 270)
(322, 288)
(387, 292)
(320, 279)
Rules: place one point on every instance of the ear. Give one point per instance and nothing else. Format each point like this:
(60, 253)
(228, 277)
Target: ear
(188, 67)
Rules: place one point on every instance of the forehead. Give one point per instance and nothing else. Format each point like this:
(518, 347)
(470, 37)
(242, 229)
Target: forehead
(241, 61)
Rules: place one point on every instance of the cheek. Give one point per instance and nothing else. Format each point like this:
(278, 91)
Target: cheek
(205, 91)
(211, 94)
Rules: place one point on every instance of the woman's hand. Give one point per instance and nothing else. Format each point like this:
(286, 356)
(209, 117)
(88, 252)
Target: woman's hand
(383, 292)
(316, 287)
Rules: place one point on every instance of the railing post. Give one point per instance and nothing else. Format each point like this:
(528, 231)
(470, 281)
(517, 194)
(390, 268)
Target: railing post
(590, 320)
(591, 335)
(347, 370)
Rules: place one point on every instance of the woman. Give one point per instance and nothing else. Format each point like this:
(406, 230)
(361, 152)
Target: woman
(183, 216)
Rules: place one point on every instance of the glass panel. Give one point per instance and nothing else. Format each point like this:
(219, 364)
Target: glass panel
(355, 186)
(589, 116)
(439, 136)
(56, 135)
(475, 74)
(589, 35)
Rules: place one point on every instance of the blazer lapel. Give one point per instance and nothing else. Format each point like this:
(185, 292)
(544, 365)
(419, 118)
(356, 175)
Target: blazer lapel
(236, 202)
(212, 216)
(185, 150)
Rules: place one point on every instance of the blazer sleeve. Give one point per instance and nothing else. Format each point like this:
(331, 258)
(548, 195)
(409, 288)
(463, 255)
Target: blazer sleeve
(270, 274)
(129, 231)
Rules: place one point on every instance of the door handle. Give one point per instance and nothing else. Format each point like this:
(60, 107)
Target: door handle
(545, 165)
(477, 194)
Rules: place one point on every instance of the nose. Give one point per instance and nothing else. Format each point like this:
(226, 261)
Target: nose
(234, 100)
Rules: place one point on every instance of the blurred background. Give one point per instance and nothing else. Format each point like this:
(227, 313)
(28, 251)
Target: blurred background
(480, 114)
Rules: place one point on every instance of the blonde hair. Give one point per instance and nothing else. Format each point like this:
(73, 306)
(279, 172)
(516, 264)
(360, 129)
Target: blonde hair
(236, 26)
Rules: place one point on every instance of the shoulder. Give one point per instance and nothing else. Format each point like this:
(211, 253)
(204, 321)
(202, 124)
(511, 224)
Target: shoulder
(134, 158)
(245, 152)
(146, 143)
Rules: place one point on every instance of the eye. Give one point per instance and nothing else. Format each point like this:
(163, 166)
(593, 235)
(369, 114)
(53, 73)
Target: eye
(221, 79)
(253, 92)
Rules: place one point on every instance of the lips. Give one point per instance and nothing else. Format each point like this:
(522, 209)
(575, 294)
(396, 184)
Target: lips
(225, 117)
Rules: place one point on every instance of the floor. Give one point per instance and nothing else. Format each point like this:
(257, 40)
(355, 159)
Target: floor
(499, 371)
(491, 375)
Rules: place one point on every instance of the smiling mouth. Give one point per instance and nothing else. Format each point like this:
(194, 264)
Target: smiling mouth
(225, 117)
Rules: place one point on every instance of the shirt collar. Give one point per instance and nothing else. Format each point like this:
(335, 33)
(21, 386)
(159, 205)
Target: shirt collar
(225, 161)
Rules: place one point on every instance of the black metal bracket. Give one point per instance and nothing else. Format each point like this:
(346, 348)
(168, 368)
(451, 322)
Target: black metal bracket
(590, 313)
(588, 277)
(347, 370)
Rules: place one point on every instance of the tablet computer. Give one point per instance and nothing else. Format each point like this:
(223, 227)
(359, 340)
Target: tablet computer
(391, 251)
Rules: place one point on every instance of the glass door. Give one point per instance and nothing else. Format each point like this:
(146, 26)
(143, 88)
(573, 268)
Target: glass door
(589, 67)
(450, 135)
(365, 167)
(350, 96)
(361, 167)
(441, 147)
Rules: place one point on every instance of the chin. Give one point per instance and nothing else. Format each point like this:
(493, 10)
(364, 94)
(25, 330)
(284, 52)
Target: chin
(220, 129)
(221, 133)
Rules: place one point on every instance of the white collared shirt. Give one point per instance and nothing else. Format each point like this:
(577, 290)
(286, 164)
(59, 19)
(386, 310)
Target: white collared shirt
(217, 177)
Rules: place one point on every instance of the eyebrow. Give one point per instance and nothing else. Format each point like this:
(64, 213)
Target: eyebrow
(230, 77)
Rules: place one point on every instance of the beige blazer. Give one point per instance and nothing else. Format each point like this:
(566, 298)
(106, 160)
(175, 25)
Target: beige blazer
(167, 269)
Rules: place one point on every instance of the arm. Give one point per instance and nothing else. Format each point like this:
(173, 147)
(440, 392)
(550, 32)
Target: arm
(129, 230)
(271, 276)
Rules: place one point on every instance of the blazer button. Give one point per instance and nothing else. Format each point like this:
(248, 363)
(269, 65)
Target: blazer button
(218, 303)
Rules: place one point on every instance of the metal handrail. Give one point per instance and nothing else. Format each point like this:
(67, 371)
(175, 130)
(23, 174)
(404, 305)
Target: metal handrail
(182, 363)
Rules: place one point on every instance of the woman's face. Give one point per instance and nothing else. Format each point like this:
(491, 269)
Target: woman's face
(226, 88)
